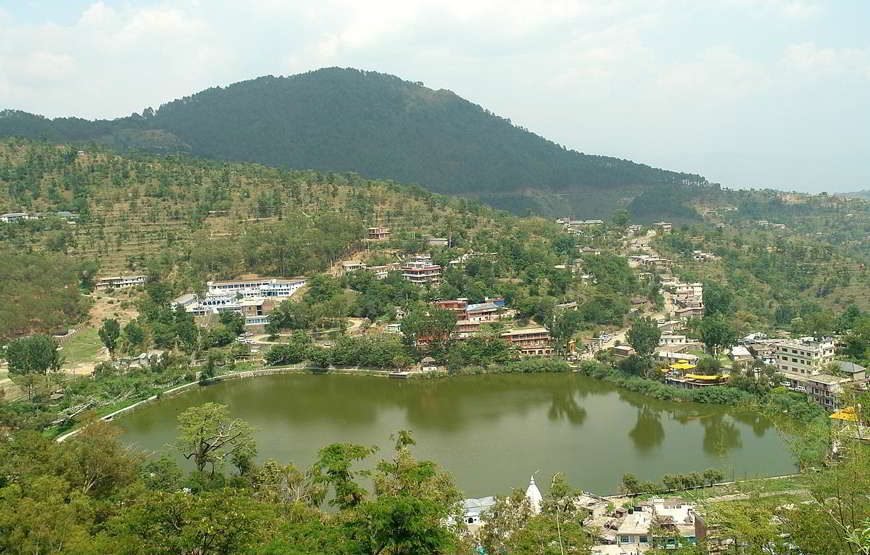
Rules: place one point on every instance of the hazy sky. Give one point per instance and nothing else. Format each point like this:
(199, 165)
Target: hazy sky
(746, 92)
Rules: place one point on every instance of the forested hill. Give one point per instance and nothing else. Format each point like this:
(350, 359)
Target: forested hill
(380, 126)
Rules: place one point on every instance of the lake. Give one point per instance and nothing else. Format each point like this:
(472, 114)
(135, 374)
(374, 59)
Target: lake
(492, 431)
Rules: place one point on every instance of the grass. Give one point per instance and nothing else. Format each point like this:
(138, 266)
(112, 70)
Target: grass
(85, 346)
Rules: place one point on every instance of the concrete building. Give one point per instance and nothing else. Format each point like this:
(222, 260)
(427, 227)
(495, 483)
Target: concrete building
(12, 217)
(121, 282)
(420, 270)
(263, 287)
(530, 341)
(378, 233)
(803, 356)
(673, 339)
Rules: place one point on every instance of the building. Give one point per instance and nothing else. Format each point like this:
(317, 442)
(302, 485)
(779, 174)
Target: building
(533, 494)
(350, 266)
(483, 312)
(254, 309)
(420, 270)
(121, 282)
(623, 351)
(634, 531)
(381, 272)
(12, 217)
(456, 306)
(530, 341)
(804, 356)
(739, 353)
(673, 339)
(473, 510)
(671, 357)
(378, 233)
(263, 287)
(437, 241)
(855, 372)
(664, 227)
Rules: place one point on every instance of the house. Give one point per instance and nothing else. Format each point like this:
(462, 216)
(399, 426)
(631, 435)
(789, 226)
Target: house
(12, 217)
(437, 241)
(420, 270)
(350, 266)
(120, 282)
(530, 341)
(673, 339)
(473, 510)
(855, 372)
(483, 312)
(381, 272)
(804, 356)
(378, 233)
(428, 364)
(456, 306)
(624, 351)
(663, 227)
(634, 531)
(739, 353)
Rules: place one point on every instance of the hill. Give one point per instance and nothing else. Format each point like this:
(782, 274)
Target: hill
(385, 128)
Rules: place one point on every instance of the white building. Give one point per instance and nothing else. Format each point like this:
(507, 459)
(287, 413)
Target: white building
(264, 287)
(120, 282)
(804, 356)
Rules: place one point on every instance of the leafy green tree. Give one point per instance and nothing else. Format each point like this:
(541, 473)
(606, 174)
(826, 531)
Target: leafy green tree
(33, 356)
(134, 336)
(717, 298)
(294, 351)
(109, 333)
(716, 334)
(643, 336)
(208, 436)
(334, 468)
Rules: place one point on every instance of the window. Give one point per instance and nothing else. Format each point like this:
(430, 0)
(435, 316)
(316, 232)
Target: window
(643, 539)
(624, 539)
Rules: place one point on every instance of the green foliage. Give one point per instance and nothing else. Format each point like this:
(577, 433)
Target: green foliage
(717, 334)
(414, 135)
(643, 336)
(208, 436)
(39, 293)
(109, 333)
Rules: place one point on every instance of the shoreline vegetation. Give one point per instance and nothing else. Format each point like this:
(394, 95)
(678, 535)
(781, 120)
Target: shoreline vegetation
(774, 404)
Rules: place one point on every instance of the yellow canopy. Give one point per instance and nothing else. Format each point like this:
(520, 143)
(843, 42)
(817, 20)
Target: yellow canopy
(704, 377)
(682, 365)
(845, 414)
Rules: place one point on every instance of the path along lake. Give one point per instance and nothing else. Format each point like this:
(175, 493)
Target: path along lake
(491, 432)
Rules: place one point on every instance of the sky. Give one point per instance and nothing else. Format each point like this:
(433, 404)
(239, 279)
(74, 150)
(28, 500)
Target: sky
(748, 93)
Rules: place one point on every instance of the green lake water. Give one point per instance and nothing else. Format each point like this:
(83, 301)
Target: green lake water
(491, 432)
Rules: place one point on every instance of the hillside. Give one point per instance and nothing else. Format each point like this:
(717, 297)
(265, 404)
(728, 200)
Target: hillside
(385, 128)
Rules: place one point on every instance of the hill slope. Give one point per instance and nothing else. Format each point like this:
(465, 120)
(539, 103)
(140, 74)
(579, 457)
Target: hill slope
(377, 125)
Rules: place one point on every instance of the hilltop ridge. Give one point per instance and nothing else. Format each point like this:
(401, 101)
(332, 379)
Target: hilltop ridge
(382, 127)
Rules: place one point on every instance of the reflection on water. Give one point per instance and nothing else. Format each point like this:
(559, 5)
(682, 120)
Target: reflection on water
(648, 431)
(565, 407)
(720, 435)
(491, 432)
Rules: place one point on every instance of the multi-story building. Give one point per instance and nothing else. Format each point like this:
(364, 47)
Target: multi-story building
(264, 287)
(120, 282)
(456, 306)
(530, 341)
(378, 233)
(804, 356)
(420, 270)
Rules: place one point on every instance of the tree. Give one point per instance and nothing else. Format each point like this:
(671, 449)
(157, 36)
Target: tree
(716, 334)
(208, 436)
(33, 356)
(621, 217)
(294, 351)
(429, 325)
(644, 336)
(109, 333)
(333, 468)
(564, 326)
(134, 335)
(717, 299)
